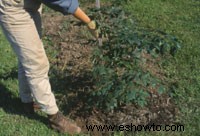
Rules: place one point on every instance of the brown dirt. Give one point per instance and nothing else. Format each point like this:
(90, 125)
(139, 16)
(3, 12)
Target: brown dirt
(74, 46)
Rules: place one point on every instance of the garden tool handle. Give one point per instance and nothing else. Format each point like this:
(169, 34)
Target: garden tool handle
(98, 6)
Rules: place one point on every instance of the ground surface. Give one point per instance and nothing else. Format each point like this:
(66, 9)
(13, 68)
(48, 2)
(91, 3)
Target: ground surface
(74, 62)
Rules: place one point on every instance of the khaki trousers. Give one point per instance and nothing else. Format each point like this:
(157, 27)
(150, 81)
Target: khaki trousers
(21, 23)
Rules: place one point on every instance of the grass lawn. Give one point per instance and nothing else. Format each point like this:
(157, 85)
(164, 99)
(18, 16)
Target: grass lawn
(177, 17)
(182, 19)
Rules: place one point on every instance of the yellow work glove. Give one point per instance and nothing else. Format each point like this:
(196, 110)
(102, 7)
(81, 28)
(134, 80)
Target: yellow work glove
(93, 29)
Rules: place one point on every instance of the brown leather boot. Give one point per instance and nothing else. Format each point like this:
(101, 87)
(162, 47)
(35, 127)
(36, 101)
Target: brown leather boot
(61, 124)
(30, 107)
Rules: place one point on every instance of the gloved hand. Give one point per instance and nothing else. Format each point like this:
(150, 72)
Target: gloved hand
(93, 29)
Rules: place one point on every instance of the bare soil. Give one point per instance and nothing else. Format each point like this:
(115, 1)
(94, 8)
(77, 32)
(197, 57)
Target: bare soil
(72, 66)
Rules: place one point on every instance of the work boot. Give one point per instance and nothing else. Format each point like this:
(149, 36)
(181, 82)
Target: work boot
(29, 108)
(61, 124)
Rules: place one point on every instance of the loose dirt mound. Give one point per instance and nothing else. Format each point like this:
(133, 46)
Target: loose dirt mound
(73, 65)
(67, 37)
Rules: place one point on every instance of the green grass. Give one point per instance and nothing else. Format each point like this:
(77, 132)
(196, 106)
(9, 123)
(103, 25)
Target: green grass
(182, 19)
(178, 17)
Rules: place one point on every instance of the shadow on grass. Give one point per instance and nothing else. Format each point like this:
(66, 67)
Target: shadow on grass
(11, 104)
(73, 92)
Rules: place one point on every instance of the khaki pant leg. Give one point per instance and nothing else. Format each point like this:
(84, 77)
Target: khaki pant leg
(19, 27)
(24, 88)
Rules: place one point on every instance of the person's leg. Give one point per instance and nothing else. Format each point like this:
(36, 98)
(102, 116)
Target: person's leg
(19, 26)
(24, 89)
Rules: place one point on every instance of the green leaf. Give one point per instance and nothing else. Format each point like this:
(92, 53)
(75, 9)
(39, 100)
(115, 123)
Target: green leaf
(161, 89)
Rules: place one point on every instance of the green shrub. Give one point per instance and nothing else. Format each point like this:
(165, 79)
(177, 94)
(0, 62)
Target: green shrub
(117, 68)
